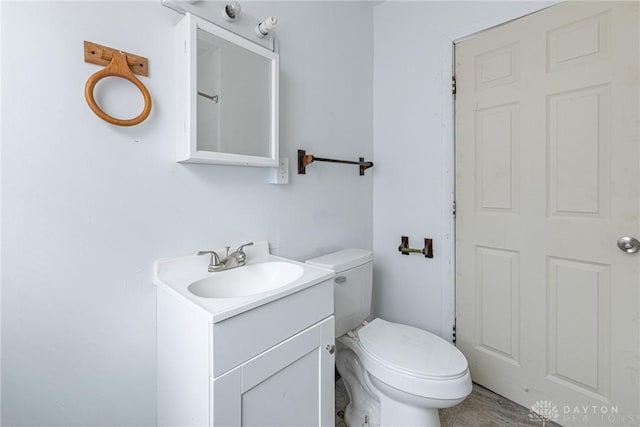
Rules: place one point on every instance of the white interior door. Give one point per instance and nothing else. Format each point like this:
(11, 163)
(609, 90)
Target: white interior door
(547, 179)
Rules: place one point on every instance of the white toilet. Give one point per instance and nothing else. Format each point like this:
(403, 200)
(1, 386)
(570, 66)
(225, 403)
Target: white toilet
(395, 375)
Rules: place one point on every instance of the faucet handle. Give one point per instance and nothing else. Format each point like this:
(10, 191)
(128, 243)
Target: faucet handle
(242, 246)
(240, 255)
(215, 260)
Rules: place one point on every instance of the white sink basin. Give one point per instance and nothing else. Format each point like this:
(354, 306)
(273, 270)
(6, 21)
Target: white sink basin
(247, 280)
(225, 294)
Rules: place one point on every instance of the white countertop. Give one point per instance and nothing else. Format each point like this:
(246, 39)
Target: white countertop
(176, 274)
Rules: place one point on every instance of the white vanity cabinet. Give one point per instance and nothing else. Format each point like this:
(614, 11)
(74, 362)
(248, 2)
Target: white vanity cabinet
(272, 365)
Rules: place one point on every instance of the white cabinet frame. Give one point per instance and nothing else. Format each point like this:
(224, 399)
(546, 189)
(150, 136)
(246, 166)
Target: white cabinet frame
(186, 99)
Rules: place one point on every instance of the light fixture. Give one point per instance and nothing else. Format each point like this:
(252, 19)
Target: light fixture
(263, 28)
(230, 11)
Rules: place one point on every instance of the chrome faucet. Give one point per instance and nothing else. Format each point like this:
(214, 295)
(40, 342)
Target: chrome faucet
(237, 258)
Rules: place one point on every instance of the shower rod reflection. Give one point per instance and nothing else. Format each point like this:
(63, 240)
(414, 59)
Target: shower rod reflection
(214, 98)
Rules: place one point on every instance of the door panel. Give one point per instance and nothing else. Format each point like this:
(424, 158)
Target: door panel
(498, 319)
(547, 179)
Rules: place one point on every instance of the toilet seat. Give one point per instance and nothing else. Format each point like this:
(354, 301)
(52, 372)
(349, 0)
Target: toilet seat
(411, 360)
(412, 351)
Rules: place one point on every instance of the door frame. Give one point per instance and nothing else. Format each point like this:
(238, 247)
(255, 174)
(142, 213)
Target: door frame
(447, 42)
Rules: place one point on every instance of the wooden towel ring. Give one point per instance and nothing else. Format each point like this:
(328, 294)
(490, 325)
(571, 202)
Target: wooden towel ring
(118, 67)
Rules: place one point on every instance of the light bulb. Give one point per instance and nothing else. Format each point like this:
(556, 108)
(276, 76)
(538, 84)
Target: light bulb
(231, 11)
(264, 27)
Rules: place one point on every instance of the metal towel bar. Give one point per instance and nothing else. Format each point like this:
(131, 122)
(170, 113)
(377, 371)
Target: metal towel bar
(305, 159)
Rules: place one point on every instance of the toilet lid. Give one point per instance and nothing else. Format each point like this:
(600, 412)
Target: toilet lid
(411, 350)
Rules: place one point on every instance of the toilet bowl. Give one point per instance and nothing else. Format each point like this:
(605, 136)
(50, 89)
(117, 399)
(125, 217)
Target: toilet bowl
(395, 375)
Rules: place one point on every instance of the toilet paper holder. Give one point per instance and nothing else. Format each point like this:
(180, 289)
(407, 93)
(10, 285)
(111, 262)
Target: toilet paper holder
(427, 251)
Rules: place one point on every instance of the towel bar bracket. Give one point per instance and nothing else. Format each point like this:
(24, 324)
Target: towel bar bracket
(102, 55)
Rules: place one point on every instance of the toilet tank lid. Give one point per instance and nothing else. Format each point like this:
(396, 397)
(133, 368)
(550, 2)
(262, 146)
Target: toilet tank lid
(342, 260)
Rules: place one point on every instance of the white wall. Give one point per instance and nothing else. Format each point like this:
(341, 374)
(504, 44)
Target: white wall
(413, 148)
(87, 207)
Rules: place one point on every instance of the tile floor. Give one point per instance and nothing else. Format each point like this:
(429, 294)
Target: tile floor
(482, 408)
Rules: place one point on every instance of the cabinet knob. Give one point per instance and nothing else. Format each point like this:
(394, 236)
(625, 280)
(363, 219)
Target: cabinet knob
(331, 348)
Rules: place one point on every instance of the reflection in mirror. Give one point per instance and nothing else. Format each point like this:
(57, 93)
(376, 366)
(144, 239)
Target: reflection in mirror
(234, 98)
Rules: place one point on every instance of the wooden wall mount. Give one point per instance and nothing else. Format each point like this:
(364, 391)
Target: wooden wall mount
(102, 55)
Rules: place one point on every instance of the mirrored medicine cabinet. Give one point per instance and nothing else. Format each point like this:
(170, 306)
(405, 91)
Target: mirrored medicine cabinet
(227, 97)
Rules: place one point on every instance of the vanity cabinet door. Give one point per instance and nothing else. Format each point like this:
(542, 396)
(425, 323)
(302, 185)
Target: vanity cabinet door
(291, 384)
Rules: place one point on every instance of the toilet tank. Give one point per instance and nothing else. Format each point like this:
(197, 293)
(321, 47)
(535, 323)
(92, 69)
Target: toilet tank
(352, 285)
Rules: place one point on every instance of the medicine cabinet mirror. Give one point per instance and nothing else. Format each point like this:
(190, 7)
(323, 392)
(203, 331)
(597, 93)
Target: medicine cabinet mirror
(227, 101)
